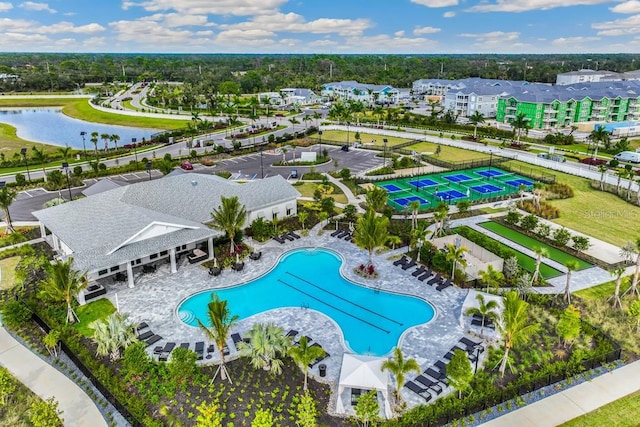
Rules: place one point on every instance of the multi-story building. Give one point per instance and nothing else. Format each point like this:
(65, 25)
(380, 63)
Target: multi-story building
(298, 96)
(591, 76)
(368, 93)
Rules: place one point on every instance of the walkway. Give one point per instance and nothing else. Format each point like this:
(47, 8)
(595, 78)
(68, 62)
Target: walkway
(45, 381)
(575, 401)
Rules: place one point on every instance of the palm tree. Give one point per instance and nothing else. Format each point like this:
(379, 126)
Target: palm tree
(94, 141)
(7, 196)
(220, 322)
(371, 232)
(440, 215)
(40, 156)
(317, 116)
(112, 334)
(476, 119)
(229, 217)
(455, 254)
(62, 284)
(293, 122)
(618, 272)
(400, 368)
(393, 240)
(114, 138)
(599, 134)
(540, 252)
(620, 173)
(571, 267)
(303, 354)
(376, 198)
(491, 277)
(603, 170)
(630, 175)
(264, 345)
(284, 155)
(514, 325)
(633, 289)
(485, 309)
(65, 152)
(519, 123)
(418, 236)
(105, 140)
(414, 205)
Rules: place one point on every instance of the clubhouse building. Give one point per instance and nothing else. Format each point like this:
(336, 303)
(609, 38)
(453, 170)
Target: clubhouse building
(130, 228)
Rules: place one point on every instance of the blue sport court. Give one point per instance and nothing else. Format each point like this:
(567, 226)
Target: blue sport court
(518, 182)
(406, 200)
(419, 183)
(457, 178)
(489, 173)
(450, 195)
(486, 189)
(391, 187)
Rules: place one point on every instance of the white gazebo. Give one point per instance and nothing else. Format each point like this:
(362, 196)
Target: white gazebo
(363, 373)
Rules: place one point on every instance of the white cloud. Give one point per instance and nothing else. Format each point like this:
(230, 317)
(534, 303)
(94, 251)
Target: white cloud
(173, 20)
(235, 35)
(93, 42)
(294, 23)
(573, 41)
(618, 27)
(210, 7)
(290, 42)
(68, 27)
(152, 35)
(632, 6)
(449, 14)
(497, 41)
(399, 33)
(425, 30)
(384, 43)
(38, 7)
(526, 5)
(436, 3)
(4, 6)
(322, 43)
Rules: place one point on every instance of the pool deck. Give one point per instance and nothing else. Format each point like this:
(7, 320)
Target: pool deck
(157, 295)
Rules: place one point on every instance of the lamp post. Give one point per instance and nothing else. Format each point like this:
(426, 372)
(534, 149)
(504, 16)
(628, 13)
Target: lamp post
(84, 147)
(385, 140)
(135, 152)
(65, 166)
(23, 151)
(149, 165)
(261, 166)
(478, 350)
(348, 124)
(490, 162)
(319, 143)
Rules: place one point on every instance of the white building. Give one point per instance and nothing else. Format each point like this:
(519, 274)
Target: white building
(299, 96)
(367, 93)
(121, 230)
(586, 75)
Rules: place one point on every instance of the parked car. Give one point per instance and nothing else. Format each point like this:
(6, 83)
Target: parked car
(187, 166)
(628, 156)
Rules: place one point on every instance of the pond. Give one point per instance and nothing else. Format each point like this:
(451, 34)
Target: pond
(51, 126)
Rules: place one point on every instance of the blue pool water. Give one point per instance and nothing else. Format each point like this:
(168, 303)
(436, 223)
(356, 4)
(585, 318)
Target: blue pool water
(371, 321)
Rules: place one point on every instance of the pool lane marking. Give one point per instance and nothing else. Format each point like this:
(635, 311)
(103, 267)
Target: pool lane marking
(346, 300)
(335, 308)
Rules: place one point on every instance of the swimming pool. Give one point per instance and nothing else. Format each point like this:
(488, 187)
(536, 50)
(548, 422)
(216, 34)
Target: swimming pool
(371, 321)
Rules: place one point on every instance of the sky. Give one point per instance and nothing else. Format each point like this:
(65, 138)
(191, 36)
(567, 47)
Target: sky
(321, 26)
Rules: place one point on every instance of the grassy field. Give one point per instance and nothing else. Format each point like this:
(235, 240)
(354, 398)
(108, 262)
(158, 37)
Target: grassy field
(308, 188)
(341, 136)
(8, 272)
(596, 213)
(529, 242)
(621, 413)
(447, 153)
(95, 310)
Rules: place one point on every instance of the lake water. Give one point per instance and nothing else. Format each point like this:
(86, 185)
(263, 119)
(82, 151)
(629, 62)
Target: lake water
(51, 126)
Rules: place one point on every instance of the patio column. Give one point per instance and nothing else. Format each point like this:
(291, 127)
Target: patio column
(130, 275)
(43, 231)
(56, 243)
(172, 257)
(210, 241)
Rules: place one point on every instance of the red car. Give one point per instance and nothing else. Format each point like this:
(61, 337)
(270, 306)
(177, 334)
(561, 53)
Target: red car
(187, 166)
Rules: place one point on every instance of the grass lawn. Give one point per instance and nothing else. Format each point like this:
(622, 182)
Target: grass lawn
(604, 290)
(95, 310)
(10, 142)
(529, 242)
(341, 136)
(8, 272)
(596, 213)
(307, 189)
(621, 413)
(447, 153)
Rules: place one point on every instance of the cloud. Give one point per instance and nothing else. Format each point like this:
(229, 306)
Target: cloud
(210, 7)
(573, 41)
(322, 43)
(435, 3)
(632, 6)
(152, 35)
(425, 30)
(384, 43)
(497, 41)
(4, 6)
(235, 36)
(449, 14)
(294, 23)
(38, 7)
(399, 33)
(173, 20)
(618, 27)
(526, 5)
(68, 27)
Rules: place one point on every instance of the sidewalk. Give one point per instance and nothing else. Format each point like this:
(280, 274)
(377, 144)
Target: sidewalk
(45, 381)
(575, 401)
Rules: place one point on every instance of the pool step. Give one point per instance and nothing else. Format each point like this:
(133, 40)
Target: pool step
(187, 316)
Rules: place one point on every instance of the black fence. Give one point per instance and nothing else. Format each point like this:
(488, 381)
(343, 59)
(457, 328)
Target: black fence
(89, 374)
(530, 172)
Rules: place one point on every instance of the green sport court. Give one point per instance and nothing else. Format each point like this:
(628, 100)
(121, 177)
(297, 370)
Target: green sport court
(530, 243)
(475, 185)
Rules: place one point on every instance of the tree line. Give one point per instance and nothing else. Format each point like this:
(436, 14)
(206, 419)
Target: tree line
(255, 73)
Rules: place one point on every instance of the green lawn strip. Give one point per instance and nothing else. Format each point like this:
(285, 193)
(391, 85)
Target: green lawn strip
(529, 263)
(595, 213)
(447, 153)
(341, 136)
(620, 413)
(307, 189)
(604, 290)
(530, 243)
(8, 272)
(89, 312)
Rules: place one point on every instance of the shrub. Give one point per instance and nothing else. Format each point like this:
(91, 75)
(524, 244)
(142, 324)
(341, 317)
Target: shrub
(561, 236)
(15, 314)
(512, 217)
(529, 222)
(546, 211)
(559, 191)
